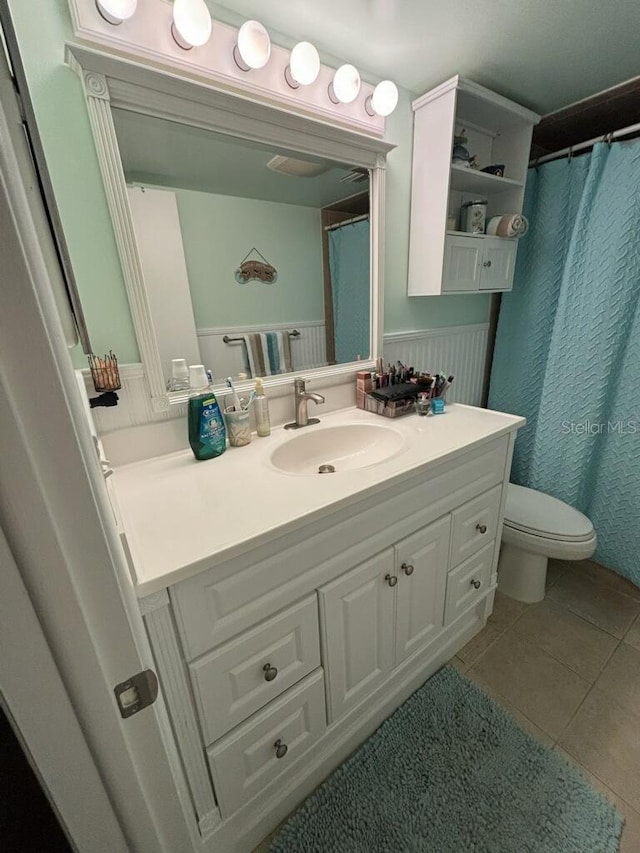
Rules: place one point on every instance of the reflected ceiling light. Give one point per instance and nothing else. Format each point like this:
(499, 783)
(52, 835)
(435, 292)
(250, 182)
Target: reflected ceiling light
(253, 48)
(191, 23)
(116, 11)
(384, 99)
(304, 65)
(345, 86)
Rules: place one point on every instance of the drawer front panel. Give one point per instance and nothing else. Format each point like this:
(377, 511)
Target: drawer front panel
(219, 603)
(240, 677)
(246, 760)
(468, 583)
(475, 524)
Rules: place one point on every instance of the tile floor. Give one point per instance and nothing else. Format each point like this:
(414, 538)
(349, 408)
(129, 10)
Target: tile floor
(568, 670)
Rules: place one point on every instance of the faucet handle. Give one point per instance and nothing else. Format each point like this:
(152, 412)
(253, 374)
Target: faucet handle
(299, 384)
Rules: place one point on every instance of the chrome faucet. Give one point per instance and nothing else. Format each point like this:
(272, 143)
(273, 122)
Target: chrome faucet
(302, 397)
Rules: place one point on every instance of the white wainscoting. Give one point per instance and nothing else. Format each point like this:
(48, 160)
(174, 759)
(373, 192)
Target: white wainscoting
(457, 350)
(307, 351)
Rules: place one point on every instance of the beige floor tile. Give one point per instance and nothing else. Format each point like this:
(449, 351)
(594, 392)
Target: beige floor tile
(596, 602)
(555, 570)
(621, 679)
(543, 689)
(633, 634)
(523, 721)
(479, 644)
(603, 737)
(459, 664)
(630, 840)
(506, 611)
(567, 637)
(608, 578)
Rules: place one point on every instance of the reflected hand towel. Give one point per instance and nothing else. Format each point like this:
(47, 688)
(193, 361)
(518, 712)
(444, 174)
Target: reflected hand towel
(268, 353)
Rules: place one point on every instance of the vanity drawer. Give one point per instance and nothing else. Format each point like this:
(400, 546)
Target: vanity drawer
(239, 678)
(468, 583)
(246, 760)
(475, 524)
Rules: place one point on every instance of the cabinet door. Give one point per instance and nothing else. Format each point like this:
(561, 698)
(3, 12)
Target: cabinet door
(498, 263)
(357, 617)
(462, 263)
(421, 560)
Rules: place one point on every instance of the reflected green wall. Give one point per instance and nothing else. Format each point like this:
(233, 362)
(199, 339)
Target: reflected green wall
(218, 231)
(64, 128)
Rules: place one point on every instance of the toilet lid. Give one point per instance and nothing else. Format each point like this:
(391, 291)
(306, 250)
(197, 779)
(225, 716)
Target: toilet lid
(542, 515)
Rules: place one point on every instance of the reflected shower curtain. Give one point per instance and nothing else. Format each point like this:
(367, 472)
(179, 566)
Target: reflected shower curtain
(350, 287)
(567, 353)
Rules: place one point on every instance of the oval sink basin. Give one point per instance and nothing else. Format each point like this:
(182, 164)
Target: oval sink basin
(343, 448)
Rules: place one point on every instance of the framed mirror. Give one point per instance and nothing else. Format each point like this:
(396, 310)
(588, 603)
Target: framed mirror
(250, 238)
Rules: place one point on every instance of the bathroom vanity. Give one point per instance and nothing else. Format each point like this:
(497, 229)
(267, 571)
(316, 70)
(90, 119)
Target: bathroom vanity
(290, 612)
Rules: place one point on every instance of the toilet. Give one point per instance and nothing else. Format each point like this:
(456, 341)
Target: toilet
(536, 527)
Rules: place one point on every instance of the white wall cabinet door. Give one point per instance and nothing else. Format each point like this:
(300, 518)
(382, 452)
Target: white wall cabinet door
(358, 630)
(462, 263)
(498, 262)
(421, 567)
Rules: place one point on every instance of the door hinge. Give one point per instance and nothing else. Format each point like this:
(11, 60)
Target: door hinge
(136, 693)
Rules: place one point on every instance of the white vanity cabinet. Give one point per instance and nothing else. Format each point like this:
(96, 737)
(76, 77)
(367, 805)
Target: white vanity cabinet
(276, 663)
(499, 133)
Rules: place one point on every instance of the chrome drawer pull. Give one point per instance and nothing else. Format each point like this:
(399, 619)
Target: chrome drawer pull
(407, 568)
(392, 580)
(270, 672)
(482, 528)
(281, 749)
(476, 584)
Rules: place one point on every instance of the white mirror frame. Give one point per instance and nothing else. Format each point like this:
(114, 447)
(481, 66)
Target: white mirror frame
(111, 81)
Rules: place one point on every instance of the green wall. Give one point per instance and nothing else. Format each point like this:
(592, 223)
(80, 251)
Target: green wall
(64, 128)
(218, 231)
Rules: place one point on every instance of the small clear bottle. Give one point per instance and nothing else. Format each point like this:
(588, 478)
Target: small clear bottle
(207, 433)
(261, 408)
(179, 375)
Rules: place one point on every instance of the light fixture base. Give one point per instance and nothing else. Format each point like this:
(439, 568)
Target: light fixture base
(239, 61)
(368, 107)
(110, 19)
(332, 94)
(178, 39)
(289, 78)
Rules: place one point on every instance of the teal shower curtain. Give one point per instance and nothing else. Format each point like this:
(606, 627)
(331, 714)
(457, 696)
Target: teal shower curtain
(567, 353)
(350, 287)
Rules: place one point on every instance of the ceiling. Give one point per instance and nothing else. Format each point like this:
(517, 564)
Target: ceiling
(544, 54)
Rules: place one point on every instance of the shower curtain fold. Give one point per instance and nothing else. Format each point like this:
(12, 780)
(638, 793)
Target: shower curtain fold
(568, 344)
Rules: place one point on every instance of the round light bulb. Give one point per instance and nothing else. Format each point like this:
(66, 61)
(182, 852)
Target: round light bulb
(253, 47)
(116, 11)
(345, 86)
(304, 65)
(384, 99)
(191, 23)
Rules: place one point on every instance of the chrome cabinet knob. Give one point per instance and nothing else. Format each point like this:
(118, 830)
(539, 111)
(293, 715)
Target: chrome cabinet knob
(270, 672)
(482, 528)
(392, 580)
(281, 748)
(476, 584)
(407, 568)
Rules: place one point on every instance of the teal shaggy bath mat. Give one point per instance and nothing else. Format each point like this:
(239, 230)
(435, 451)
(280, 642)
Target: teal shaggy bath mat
(451, 772)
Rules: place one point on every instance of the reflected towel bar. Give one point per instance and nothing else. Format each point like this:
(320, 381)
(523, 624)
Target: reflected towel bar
(227, 340)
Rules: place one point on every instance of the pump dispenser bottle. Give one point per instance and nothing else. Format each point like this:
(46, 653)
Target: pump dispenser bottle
(207, 434)
(261, 408)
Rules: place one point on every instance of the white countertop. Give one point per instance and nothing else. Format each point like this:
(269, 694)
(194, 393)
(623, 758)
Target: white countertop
(181, 516)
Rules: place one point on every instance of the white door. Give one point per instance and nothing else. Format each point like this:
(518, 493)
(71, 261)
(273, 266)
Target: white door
(357, 622)
(59, 527)
(462, 263)
(498, 263)
(421, 563)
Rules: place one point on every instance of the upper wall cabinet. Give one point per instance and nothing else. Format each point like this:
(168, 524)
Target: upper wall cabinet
(443, 257)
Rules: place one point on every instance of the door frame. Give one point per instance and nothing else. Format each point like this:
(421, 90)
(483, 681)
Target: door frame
(59, 528)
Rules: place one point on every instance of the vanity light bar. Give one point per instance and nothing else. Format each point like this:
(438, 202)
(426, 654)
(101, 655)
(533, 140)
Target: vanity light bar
(192, 25)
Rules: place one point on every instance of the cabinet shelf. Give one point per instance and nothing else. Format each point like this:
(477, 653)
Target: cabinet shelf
(467, 180)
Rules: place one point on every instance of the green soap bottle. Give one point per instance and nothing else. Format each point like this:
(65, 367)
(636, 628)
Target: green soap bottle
(207, 434)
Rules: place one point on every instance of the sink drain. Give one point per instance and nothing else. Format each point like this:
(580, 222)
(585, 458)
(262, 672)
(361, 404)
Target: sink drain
(326, 469)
